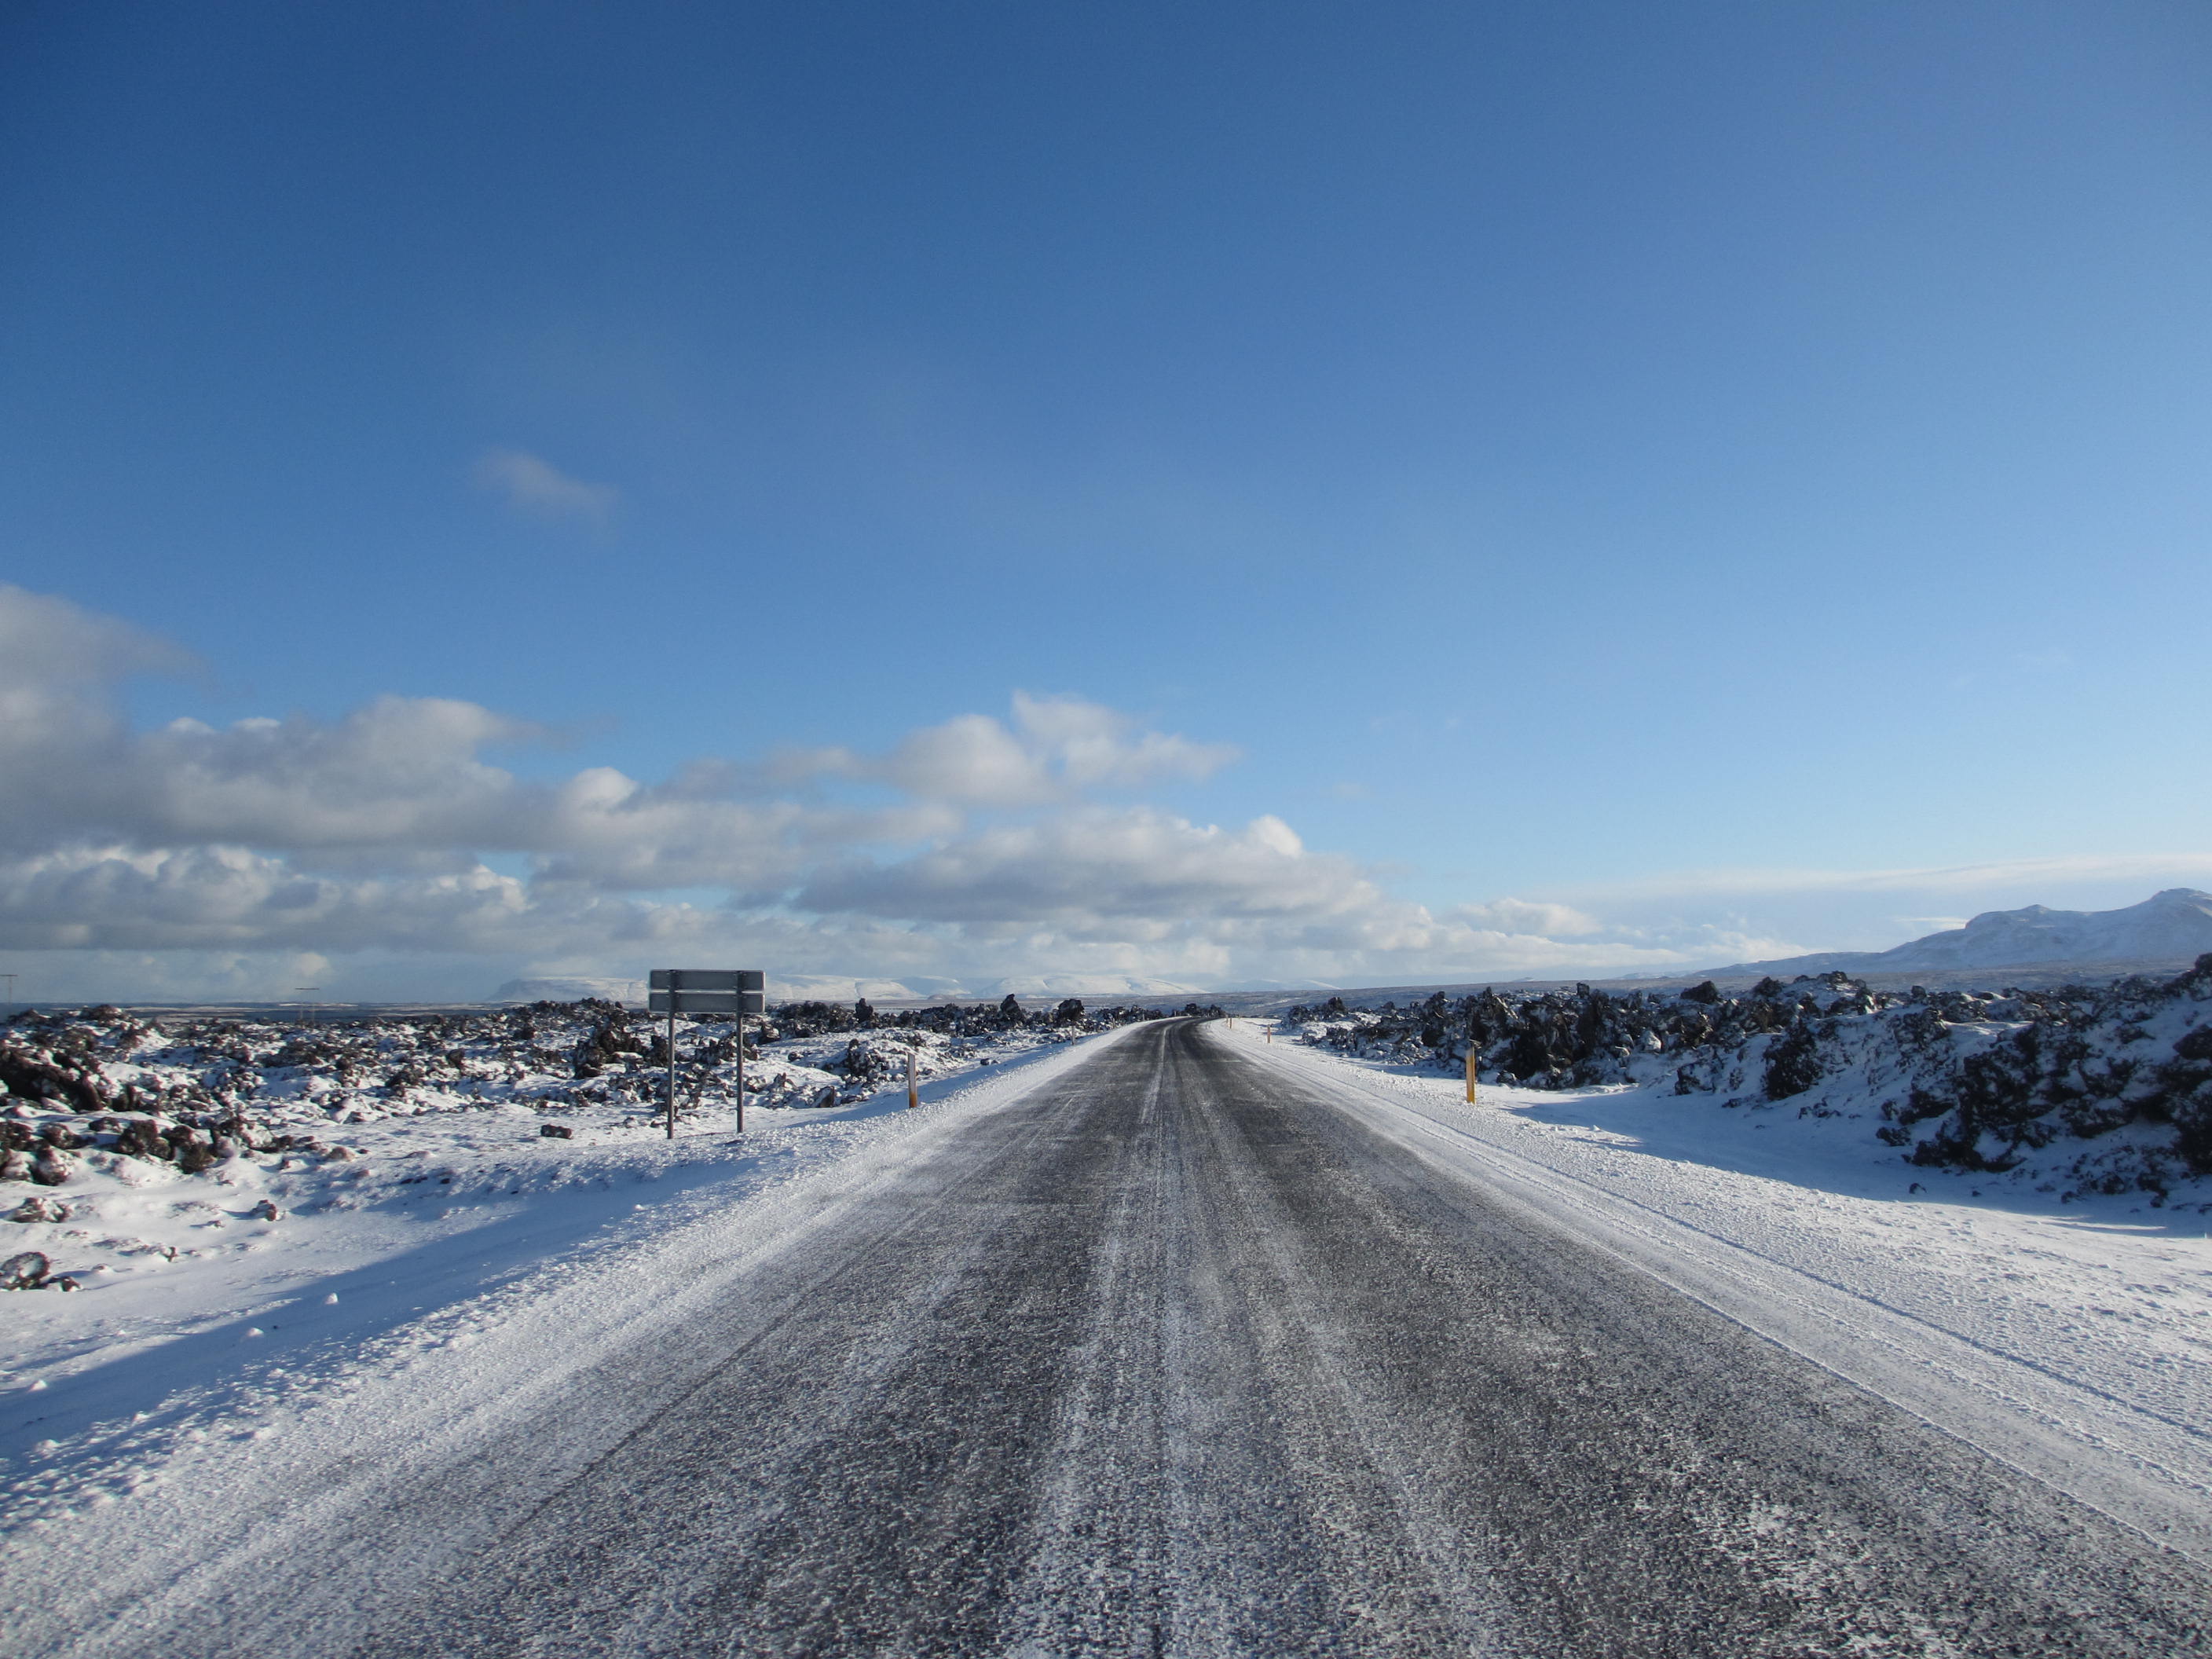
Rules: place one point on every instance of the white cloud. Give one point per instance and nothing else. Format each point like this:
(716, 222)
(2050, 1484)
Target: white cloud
(401, 782)
(1057, 749)
(1094, 872)
(231, 897)
(972, 759)
(540, 490)
(1090, 746)
(368, 834)
(976, 848)
(1513, 916)
(47, 641)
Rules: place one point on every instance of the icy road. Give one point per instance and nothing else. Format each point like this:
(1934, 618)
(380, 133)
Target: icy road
(1178, 1351)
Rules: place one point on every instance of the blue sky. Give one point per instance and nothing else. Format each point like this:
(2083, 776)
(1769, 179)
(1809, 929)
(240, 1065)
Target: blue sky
(1716, 476)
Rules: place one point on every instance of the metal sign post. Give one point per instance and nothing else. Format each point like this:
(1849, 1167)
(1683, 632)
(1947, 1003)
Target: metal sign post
(739, 991)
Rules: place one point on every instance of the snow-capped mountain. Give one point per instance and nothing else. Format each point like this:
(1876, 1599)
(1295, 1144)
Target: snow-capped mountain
(838, 988)
(2174, 926)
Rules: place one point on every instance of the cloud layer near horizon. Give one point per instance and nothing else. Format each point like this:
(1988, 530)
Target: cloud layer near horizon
(385, 853)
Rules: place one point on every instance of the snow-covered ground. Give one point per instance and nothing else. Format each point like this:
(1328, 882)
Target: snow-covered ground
(165, 1471)
(2072, 1339)
(450, 1293)
(389, 1208)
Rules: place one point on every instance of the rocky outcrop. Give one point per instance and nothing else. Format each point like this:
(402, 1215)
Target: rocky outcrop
(2121, 1073)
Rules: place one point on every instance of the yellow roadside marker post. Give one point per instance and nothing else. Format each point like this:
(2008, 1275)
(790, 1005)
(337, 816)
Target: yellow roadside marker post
(1470, 1076)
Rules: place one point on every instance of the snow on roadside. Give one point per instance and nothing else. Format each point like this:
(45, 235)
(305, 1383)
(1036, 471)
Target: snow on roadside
(266, 1436)
(2106, 1296)
(2083, 1088)
(274, 1266)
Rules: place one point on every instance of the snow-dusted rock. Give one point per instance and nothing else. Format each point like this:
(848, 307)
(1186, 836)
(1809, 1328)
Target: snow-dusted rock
(2108, 1087)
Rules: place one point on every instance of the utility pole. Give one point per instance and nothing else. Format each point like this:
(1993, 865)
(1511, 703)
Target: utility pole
(303, 992)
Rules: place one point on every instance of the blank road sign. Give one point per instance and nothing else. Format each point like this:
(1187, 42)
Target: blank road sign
(707, 979)
(708, 991)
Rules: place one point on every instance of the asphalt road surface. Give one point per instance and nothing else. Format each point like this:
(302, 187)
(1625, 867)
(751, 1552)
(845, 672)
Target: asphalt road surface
(1176, 1358)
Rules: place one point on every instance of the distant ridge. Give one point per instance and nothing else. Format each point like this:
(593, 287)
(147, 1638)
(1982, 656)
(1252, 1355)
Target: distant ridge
(568, 988)
(2174, 926)
(829, 988)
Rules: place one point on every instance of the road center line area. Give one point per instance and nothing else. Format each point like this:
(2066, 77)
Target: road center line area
(1173, 1349)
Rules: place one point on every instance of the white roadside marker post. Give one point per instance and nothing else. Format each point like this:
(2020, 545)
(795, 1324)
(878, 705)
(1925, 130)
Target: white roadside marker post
(751, 985)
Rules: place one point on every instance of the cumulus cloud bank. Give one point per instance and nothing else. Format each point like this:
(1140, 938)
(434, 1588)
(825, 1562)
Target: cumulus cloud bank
(388, 853)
